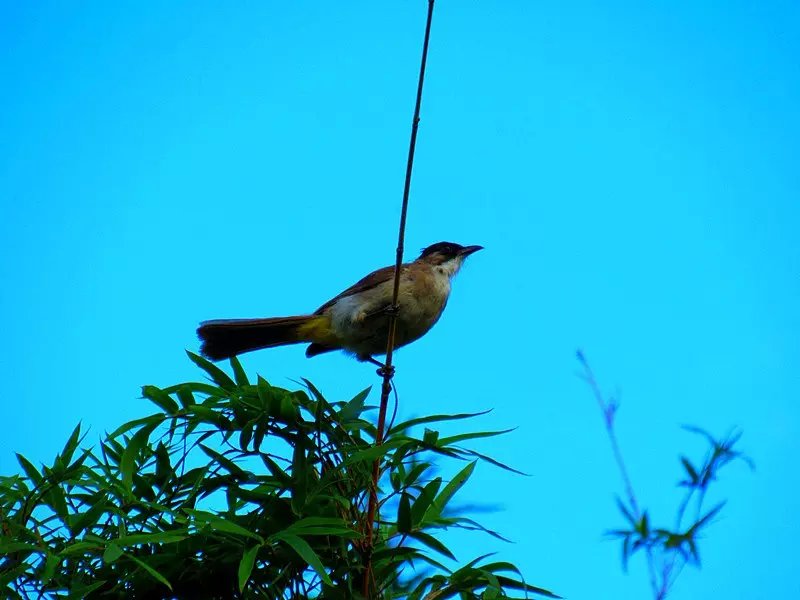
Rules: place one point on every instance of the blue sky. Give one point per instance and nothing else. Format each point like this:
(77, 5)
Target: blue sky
(631, 170)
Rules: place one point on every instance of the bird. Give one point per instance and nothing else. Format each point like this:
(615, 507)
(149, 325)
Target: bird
(357, 320)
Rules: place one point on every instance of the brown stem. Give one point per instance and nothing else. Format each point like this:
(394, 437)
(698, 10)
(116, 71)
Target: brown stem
(388, 370)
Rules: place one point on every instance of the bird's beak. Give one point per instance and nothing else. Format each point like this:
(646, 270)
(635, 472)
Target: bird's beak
(467, 250)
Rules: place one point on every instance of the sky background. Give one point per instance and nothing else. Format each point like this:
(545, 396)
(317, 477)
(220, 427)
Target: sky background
(631, 169)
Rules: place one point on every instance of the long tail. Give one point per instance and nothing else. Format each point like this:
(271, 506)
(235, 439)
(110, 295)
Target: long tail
(224, 338)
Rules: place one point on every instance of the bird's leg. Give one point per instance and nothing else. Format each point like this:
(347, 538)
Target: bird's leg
(388, 310)
(369, 359)
(383, 370)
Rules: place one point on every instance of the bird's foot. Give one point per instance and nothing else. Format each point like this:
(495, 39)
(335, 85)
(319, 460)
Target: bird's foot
(386, 371)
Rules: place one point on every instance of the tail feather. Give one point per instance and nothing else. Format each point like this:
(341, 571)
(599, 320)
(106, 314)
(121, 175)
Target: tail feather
(228, 337)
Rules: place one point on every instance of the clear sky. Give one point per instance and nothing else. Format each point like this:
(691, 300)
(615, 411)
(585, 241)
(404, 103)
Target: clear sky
(631, 169)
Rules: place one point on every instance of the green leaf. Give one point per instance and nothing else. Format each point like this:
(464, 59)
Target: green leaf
(374, 452)
(238, 371)
(197, 387)
(643, 525)
(185, 395)
(353, 409)
(415, 473)
(71, 445)
(305, 552)
(226, 463)
(80, 591)
(206, 414)
(159, 537)
(706, 518)
(424, 500)
(454, 439)
(217, 375)
(404, 522)
(507, 582)
(164, 470)
(125, 427)
(321, 526)
(494, 462)
(31, 471)
(246, 565)
(432, 543)
(82, 547)
(690, 470)
(160, 399)
(50, 566)
(299, 478)
(430, 437)
(473, 525)
(112, 553)
(314, 391)
(153, 573)
(264, 391)
(88, 518)
(56, 499)
(276, 471)
(453, 486)
(433, 419)
(246, 434)
(221, 524)
(127, 463)
(9, 547)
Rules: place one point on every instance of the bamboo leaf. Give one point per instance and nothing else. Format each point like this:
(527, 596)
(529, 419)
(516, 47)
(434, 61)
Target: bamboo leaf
(127, 463)
(111, 553)
(71, 445)
(31, 471)
(221, 524)
(433, 419)
(454, 439)
(88, 518)
(432, 543)
(353, 409)
(160, 399)
(306, 552)
(690, 470)
(238, 371)
(404, 522)
(246, 565)
(158, 537)
(150, 570)
(126, 427)
(424, 500)
(453, 486)
(217, 375)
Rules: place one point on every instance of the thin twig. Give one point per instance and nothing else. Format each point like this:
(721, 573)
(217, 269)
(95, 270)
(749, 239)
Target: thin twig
(388, 369)
(609, 410)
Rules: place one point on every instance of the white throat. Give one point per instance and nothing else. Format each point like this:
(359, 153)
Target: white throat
(450, 267)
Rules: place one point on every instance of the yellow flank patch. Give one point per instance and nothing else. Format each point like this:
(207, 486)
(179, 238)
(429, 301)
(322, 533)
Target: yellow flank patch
(317, 329)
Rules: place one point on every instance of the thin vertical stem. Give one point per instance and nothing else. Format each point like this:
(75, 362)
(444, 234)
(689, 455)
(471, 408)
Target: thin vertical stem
(388, 369)
(609, 408)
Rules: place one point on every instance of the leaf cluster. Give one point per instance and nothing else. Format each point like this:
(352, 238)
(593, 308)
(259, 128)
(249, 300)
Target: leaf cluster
(235, 489)
(678, 546)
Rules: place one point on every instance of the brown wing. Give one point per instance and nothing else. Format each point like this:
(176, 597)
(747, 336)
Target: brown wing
(370, 281)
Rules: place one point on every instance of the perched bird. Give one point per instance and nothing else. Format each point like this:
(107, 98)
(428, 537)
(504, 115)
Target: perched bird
(357, 320)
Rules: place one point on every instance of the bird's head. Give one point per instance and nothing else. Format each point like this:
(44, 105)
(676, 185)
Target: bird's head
(448, 256)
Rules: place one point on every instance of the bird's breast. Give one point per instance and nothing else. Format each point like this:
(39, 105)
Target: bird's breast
(362, 325)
